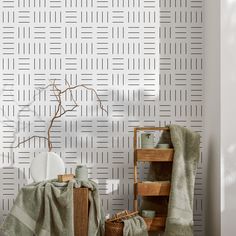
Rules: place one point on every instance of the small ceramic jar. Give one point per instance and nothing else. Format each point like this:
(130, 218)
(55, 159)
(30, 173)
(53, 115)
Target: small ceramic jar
(81, 173)
(147, 140)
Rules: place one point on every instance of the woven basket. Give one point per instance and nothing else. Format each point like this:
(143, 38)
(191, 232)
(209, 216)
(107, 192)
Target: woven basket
(114, 228)
(115, 225)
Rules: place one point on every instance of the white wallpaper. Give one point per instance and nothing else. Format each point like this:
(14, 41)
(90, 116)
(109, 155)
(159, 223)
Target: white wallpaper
(144, 58)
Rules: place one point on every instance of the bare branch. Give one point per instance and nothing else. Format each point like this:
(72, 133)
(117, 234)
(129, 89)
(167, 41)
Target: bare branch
(55, 115)
(71, 93)
(28, 139)
(72, 109)
(60, 110)
(86, 87)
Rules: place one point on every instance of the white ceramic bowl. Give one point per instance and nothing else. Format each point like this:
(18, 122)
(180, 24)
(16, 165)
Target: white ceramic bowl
(148, 214)
(163, 145)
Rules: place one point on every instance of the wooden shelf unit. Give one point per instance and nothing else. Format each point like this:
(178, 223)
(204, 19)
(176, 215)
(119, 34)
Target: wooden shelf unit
(146, 188)
(156, 224)
(159, 188)
(157, 155)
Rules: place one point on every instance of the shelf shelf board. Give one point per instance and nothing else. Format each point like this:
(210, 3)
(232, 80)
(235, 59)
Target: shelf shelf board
(158, 188)
(155, 154)
(155, 224)
(151, 128)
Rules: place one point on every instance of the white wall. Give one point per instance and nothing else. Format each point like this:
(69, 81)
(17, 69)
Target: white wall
(212, 115)
(220, 71)
(228, 116)
(145, 60)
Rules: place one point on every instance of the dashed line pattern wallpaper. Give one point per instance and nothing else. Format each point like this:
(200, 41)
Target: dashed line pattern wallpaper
(143, 57)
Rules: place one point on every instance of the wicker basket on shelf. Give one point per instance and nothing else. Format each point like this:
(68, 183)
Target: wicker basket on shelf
(115, 225)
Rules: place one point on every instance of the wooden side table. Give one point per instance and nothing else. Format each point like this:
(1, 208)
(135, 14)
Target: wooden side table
(81, 211)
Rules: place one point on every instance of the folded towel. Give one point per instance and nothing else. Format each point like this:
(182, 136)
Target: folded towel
(46, 209)
(135, 226)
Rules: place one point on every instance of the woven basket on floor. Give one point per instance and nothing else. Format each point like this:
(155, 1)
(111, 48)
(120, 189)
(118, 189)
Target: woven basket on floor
(114, 228)
(115, 225)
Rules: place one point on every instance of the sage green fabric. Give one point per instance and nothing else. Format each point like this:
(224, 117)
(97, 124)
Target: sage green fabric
(180, 209)
(180, 205)
(46, 209)
(135, 226)
(41, 209)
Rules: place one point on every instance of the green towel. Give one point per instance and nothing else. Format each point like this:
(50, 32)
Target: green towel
(135, 226)
(180, 209)
(46, 209)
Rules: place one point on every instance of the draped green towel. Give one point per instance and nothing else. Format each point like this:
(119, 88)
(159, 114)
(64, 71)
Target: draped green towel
(135, 226)
(180, 209)
(180, 206)
(46, 209)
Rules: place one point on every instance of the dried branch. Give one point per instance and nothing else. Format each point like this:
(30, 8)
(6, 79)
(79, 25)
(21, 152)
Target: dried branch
(28, 139)
(87, 88)
(60, 110)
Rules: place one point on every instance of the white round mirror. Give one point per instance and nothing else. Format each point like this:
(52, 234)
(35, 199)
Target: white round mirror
(46, 165)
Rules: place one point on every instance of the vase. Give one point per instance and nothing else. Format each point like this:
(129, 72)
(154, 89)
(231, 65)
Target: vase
(46, 166)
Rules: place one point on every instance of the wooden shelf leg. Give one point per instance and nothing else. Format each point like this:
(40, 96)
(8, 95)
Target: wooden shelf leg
(135, 204)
